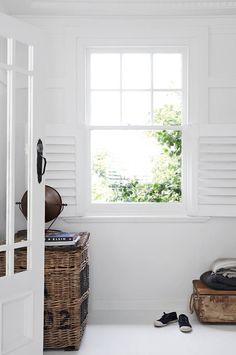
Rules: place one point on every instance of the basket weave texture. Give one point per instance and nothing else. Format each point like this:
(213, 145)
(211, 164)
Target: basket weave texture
(66, 295)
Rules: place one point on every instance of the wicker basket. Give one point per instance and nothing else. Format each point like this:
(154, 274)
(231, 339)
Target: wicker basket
(2, 264)
(66, 291)
(64, 323)
(20, 261)
(66, 295)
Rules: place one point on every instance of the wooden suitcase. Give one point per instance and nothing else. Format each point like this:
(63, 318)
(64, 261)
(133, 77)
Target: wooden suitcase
(213, 306)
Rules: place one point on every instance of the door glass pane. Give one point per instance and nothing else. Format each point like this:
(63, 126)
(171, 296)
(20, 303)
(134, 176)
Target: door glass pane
(3, 50)
(2, 263)
(22, 51)
(20, 260)
(3, 152)
(21, 157)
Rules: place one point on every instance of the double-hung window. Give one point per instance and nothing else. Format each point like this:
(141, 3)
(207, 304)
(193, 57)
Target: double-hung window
(135, 112)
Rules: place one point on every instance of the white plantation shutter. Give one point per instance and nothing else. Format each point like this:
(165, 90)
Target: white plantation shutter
(61, 172)
(212, 161)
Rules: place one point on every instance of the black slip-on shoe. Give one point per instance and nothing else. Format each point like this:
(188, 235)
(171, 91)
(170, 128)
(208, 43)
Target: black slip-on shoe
(184, 324)
(166, 319)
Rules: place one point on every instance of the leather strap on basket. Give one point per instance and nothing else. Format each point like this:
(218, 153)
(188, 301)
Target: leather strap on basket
(191, 302)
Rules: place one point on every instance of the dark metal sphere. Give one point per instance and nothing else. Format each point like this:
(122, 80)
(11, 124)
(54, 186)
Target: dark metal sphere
(53, 204)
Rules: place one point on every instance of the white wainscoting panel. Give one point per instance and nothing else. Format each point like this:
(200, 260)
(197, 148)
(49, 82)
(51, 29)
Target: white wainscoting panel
(17, 322)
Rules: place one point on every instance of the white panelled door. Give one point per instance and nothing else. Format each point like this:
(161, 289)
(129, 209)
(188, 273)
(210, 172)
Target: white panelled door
(21, 239)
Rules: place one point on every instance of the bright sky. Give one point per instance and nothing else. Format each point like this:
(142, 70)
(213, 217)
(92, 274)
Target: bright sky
(131, 152)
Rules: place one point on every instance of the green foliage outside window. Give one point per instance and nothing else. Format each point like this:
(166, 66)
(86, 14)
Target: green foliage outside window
(166, 184)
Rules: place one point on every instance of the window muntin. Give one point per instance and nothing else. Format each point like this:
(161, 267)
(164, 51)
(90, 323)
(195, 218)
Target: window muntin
(146, 102)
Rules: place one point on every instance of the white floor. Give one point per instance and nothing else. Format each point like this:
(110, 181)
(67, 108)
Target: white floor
(143, 339)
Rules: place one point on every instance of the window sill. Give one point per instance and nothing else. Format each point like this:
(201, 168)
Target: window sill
(135, 219)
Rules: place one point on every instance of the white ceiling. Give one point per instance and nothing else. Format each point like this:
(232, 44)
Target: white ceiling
(118, 7)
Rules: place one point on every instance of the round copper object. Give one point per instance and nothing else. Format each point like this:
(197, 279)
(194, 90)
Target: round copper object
(53, 204)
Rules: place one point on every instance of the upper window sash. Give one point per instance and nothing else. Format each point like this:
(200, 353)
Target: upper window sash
(122, 93)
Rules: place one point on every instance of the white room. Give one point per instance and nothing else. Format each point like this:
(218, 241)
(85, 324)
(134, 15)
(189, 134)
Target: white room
(137, 112)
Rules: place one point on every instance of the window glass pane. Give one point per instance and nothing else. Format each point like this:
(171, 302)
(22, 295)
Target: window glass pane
(136, 166)
(21, 156)
(105, 108)
(22, 55)
(3, 50)
(2, 263)
(167, 71)
(3, 153)
(136, 107)
(105, 71)
(136, 71)
(167, 107)
(20, 260)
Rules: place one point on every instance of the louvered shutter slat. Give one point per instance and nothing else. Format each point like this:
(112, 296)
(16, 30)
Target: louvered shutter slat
(225, 183)
(61, 166)
(217, 165)
(52, 174)
(214, 173)
(218, 148)
(61, 148)
(217, 174)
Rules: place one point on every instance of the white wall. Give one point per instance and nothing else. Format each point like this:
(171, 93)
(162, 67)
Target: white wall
(146, 265)
(151, 265)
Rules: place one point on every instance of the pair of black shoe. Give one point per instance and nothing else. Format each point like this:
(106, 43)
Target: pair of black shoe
(168, 318)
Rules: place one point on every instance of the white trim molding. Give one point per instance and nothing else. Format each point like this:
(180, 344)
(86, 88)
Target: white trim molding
(195, 42)
(134, 219)
(120, 8)
(107, 305)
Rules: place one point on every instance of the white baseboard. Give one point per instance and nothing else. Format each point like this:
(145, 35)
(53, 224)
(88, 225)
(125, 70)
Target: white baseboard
(139, 305)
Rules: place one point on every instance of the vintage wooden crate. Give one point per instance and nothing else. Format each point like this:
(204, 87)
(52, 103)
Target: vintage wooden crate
(213, 306)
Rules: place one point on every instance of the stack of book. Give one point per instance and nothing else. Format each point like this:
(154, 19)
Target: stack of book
(61, 239)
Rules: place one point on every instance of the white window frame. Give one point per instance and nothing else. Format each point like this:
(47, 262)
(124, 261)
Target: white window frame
(193, 44)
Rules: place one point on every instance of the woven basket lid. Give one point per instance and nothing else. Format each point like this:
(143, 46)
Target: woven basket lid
(53, 204)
